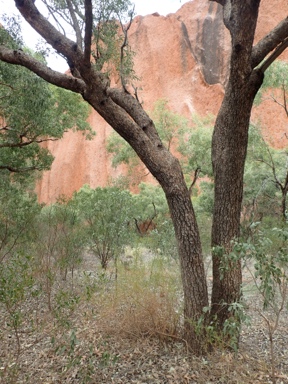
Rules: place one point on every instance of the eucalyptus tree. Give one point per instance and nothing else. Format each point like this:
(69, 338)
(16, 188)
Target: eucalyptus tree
(105, 214)
(248, 64)
(90, 56)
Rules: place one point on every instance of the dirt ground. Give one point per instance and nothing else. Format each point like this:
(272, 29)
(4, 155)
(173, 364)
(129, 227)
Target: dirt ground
(79, 344)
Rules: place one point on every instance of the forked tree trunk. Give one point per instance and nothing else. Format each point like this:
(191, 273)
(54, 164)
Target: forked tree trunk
(124, 113)
(229, 147)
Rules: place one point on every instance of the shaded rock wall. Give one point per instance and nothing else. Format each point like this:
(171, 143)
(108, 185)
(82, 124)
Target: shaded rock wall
(181, 57)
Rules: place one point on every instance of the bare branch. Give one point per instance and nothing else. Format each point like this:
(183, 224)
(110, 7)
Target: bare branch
(21, 58)
(76, 26)
(269, 42)
(196, 175)
(53, 11)
(277, 52)
(88, 31)
(284, 105)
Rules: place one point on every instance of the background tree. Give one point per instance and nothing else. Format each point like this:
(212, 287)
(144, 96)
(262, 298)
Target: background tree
(19, 210)
(265, 179)
(125, 114)
(105, 214)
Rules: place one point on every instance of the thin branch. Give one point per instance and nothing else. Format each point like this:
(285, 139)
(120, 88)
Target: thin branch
(196, 175)
(7, 85)
(285, 100)
(75, 25)
(149, 223)
(284, 105)
(52, 12)
(22, 143)
(6, 128)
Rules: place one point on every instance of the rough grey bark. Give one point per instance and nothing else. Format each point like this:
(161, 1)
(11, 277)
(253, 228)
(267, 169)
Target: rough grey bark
(230, 139)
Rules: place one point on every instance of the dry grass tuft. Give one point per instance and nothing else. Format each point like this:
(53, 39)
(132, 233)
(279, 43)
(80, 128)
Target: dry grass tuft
(144, 302)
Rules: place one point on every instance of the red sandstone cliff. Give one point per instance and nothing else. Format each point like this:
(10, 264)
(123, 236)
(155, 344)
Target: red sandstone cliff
(181, 57)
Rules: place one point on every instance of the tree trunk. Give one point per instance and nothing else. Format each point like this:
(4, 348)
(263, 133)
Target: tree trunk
(191, 264)
(229, 147)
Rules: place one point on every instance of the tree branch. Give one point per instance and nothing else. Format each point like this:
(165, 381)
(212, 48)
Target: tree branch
(88, 31)
(284, 105)
(277, 52)
(22, 143)
(53, 12)
(19, 57)
(76, 26)
(196, 174)
(135, 110)
(20, 170)
(269, 42)
(221, 2)
(64, 46)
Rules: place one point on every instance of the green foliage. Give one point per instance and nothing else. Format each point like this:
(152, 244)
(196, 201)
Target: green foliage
(18, 210)
(151, 210)
(11, 33)
(122, 152)
(106, 213)
(204, 201)
(268, 249)
(60, 240)
(17, 285)
(150, 203)
(65, 304)
(229, 335)
(15, 281)
(275, 77)
(265, 170)
(110, 50)
(34, 112)
(167, 123)
(195, 145)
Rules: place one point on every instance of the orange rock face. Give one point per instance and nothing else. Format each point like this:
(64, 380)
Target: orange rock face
(182, 58)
